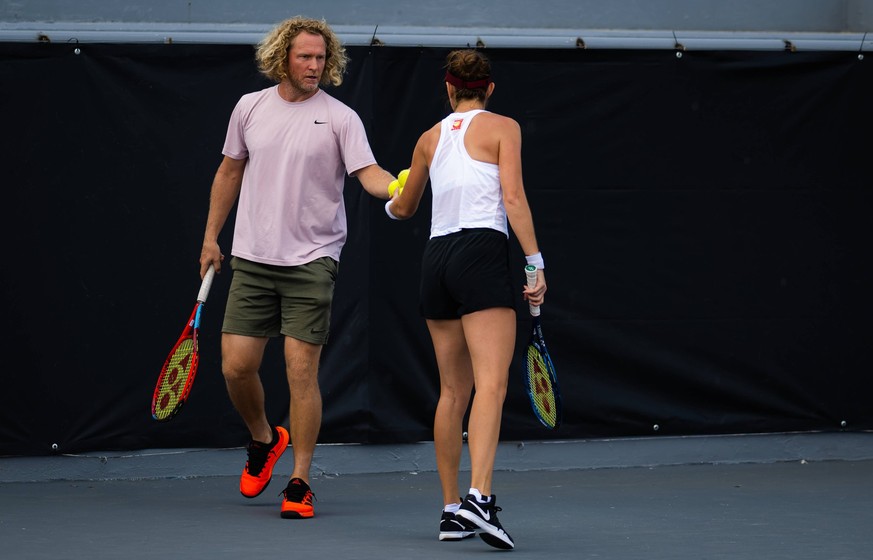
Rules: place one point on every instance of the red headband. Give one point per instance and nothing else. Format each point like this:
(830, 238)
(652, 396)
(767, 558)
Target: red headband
(459, 83)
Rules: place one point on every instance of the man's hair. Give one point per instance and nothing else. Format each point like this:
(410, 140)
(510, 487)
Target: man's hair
(272, 53)
(470, 66)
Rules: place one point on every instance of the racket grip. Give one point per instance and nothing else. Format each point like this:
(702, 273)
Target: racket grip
(530, 271)
(206, 284)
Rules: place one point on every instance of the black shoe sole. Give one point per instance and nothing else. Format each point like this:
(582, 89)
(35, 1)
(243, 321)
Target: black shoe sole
(294, 515)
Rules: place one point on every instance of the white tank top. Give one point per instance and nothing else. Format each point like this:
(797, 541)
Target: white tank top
(466, 192)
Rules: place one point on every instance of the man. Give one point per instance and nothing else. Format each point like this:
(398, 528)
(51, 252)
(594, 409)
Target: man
(287, 150)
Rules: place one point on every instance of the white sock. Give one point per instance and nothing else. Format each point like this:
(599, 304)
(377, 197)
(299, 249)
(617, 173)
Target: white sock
(452, 508)
(478, 495)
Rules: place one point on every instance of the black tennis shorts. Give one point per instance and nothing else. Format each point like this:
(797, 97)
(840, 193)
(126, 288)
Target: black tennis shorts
(465, 272)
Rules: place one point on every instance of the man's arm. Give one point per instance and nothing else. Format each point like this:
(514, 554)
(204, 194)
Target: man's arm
(375, 180)
(225, 191)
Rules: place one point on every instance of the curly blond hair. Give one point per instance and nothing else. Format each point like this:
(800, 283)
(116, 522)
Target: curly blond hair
(272, 53)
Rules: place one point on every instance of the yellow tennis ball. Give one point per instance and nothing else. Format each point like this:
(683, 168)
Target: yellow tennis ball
(402, 177)
(393, 186)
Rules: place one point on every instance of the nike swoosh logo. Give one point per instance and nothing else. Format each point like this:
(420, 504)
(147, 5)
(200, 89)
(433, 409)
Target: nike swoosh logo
(485, 515)
(320, 122)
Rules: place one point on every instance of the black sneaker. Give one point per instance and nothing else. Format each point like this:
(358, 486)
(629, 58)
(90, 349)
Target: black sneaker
(484, 516)
(451, 529)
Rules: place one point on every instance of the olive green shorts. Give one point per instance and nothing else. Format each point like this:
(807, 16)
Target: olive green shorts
(267, 300)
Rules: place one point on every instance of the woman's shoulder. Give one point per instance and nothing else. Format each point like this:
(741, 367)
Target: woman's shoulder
(496, 118)
(430, 136)
(498, 122)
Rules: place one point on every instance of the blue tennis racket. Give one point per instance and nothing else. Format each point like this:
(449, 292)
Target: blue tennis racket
(540, 379)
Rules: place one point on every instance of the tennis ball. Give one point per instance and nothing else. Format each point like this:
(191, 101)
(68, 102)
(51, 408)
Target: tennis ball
(398, 183)
(393, 186)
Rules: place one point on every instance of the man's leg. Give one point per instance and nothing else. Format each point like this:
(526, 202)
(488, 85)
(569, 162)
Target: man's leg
(301, 367)
(241, 361)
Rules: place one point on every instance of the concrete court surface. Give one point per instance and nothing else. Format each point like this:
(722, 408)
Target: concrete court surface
(781, 506)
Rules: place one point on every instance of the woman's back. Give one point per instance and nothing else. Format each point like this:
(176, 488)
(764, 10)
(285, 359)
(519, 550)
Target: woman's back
(466, 189)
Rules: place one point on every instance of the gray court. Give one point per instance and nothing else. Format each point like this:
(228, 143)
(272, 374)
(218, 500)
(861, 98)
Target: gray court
(792, 496)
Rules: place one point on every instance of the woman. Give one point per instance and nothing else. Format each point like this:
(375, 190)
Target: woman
(473, 160)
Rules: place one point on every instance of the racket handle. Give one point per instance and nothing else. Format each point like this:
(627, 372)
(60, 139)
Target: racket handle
(530, 271)
(206, 284)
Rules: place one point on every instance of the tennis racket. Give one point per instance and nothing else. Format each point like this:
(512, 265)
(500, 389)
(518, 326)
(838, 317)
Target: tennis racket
(540, 379)
(177, 375)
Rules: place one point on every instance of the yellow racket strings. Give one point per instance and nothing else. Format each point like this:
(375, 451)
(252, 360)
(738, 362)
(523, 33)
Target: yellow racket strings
(540, 386)
(173, 382)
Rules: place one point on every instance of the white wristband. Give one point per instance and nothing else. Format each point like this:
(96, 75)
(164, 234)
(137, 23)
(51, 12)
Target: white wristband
(388, 210)
(536, 260)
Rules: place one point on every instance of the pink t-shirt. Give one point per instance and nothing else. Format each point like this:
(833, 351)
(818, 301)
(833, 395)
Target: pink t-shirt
(290, 208)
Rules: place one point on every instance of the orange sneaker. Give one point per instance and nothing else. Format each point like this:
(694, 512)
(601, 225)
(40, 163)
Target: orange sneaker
(297, 500)
(262, 458)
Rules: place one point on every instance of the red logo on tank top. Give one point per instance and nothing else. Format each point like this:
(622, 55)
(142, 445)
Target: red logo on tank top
(456, 125)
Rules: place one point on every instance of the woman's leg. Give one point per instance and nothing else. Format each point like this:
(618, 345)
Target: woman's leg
(490, 338)
(456, 385)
